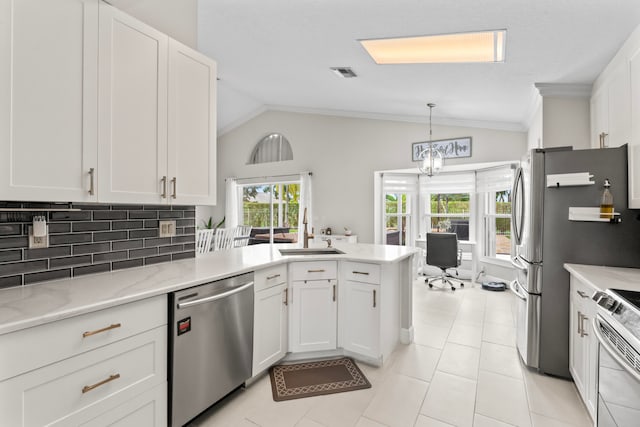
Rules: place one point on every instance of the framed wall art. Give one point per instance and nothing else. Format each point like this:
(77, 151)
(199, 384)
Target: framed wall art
(450, 148)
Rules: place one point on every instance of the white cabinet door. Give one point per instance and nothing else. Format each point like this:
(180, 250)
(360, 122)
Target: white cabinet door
(270, 327)
(48, 99)
(313, 318)
(360, 318)
(192, 126)
(599, 117)
(619, 108)
(634, 146)
(132, 113)
(583, 346)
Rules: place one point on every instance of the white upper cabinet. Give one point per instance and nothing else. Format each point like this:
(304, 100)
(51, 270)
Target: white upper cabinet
(634, 146)
(191, 126)
(610, 110)
(157, 116)
(48, 99)
(132, 110)
(616, 92)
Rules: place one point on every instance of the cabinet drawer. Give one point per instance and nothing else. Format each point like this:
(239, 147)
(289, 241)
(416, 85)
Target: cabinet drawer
(314, 270)
(581, 292)
(89, 382)
(268, 277)
(23, 350)
(361, 272)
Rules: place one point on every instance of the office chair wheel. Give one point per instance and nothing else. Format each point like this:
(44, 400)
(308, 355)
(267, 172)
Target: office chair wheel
(462, 284)
(430, 285)
(453, 289)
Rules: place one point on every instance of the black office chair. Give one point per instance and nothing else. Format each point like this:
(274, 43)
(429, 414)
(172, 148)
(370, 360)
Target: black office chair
(443, 252)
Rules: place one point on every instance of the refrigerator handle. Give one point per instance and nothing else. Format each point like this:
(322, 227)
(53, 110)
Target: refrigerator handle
(518, 198)
(517, 263)
(514, 288)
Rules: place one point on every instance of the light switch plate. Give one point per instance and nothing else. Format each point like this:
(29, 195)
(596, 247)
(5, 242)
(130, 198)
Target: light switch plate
(167, 228)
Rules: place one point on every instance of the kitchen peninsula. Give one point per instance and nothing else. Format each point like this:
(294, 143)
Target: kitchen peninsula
(53, 333)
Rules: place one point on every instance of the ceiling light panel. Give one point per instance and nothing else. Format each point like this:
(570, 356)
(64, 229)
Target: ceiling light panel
(485, 46)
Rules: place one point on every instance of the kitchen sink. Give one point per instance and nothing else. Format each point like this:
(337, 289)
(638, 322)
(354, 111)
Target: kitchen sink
(311, 251)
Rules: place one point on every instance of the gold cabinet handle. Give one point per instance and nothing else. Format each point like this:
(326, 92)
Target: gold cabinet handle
(164, 187)
(316, 271)
(334, 293)
(273, 277)
(88, 388)
(374, 298)
(174, 182)
(286, 296)
(92, 172)
(582, 294)
(98, 331)
(361, 272)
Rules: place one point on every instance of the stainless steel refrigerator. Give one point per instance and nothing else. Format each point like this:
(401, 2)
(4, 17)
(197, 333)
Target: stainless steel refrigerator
(545, 239)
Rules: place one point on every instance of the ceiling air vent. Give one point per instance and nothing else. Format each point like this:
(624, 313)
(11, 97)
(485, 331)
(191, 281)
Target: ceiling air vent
(344, 72)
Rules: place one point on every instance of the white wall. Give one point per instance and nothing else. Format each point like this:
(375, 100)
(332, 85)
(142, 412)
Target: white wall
(566, 121)
(342, 153)
(177, 18)
(534, 135)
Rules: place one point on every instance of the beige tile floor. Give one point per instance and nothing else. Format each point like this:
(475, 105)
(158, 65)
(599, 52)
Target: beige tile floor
(462, 370)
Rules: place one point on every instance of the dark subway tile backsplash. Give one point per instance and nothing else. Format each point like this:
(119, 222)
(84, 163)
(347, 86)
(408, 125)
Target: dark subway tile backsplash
(97, 238)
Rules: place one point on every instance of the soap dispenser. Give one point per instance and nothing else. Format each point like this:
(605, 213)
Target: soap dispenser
(606, 201)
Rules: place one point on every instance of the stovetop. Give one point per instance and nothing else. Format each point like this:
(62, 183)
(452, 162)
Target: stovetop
(623, 307)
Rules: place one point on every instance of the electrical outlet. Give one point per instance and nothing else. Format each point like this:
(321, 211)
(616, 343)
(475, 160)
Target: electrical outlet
(38, 242)
(167, 228)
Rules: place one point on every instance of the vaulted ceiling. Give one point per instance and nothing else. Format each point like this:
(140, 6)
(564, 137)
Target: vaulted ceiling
(277, 54)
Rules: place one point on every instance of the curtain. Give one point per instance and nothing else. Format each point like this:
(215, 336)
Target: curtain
(448, 183)
(305, 203)
(494, 179)
(232, 203)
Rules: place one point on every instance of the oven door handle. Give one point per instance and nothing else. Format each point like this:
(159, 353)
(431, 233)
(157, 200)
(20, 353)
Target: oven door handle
(612, 351)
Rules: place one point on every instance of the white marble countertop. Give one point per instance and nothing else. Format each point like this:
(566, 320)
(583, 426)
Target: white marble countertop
(602, 277)
(46, 302)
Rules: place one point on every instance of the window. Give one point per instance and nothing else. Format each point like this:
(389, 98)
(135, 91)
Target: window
(448, 213)
(497, 224)
(495, 188)
(447, 204)
(399, 193)
(259, 201)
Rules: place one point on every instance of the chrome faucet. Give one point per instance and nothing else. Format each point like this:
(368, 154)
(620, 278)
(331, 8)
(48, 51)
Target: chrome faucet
(306, 233)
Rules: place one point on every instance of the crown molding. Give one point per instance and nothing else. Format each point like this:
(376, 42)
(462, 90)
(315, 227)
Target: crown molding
(570, 90)
(444, 121)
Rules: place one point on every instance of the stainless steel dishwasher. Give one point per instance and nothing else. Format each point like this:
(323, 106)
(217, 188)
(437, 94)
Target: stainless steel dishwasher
(211, 349)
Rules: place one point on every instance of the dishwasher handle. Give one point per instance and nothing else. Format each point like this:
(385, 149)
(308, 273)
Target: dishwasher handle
(214, 297)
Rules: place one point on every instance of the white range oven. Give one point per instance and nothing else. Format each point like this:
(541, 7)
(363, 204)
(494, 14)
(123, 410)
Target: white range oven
(617, 327)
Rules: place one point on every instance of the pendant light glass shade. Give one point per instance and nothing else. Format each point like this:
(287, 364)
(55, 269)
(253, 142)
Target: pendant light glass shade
(432, 160)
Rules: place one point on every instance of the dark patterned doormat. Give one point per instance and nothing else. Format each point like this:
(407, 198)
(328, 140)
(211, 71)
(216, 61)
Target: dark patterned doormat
(315, 378)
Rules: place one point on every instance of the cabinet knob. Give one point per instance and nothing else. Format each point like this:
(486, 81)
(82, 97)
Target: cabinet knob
(582, 294)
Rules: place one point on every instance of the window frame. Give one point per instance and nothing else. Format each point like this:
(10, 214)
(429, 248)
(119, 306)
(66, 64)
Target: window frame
(488, 224)
(426, 215)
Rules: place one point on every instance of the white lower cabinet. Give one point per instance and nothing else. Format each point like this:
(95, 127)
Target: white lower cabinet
(86, 386)
(360, 318)
(313, 315)
(583, 345)
(270, 323)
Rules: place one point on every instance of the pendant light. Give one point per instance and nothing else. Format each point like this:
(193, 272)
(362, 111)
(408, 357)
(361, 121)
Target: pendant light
(432, 160)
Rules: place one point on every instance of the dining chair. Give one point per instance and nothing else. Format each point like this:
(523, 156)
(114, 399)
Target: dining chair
(203, 241)
(223, 239)
(242, 236)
